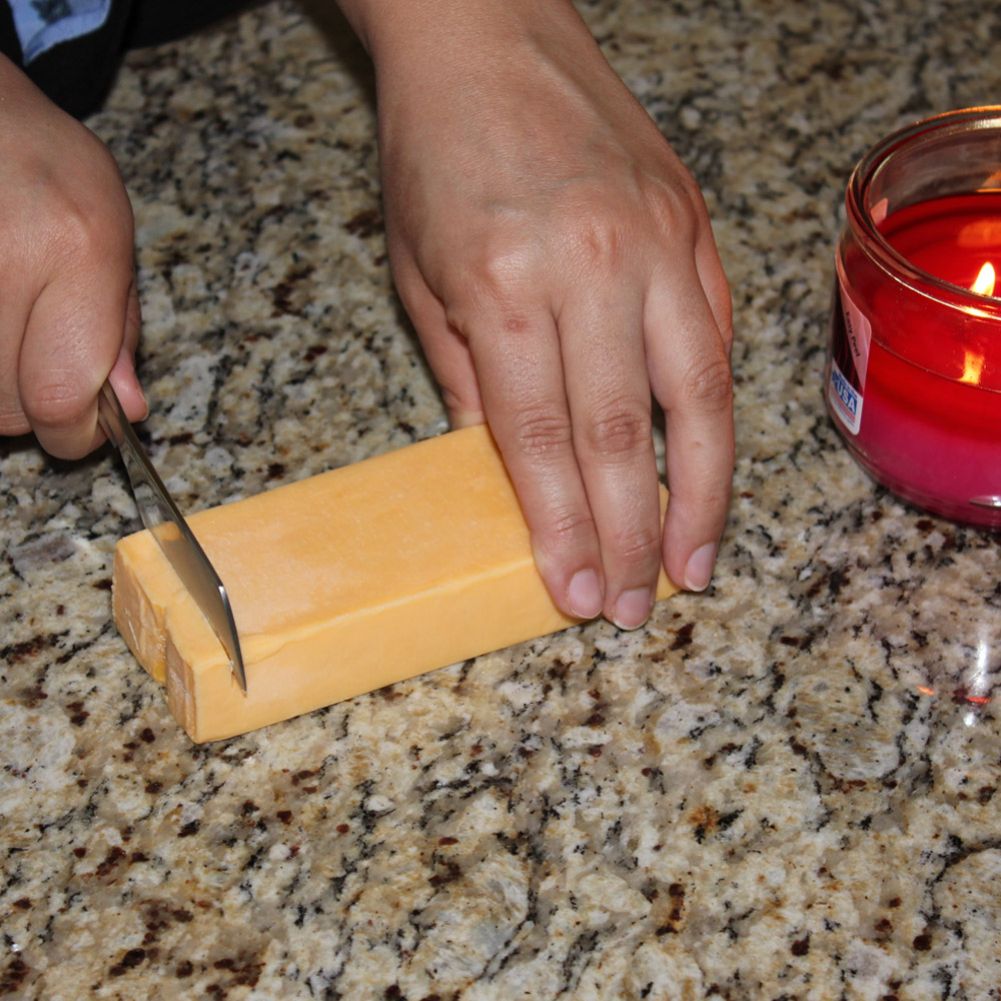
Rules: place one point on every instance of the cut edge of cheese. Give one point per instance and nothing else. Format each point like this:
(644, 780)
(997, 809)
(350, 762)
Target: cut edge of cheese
(140, 612)
(432, 617)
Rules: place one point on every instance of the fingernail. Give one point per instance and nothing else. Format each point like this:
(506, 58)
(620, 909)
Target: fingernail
(584, 594)
(699, 570)
(633, 608)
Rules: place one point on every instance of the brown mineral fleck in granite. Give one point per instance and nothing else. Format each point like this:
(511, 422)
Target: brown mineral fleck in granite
(785, 787)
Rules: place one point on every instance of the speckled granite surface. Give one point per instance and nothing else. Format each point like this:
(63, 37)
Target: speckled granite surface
(777, 790)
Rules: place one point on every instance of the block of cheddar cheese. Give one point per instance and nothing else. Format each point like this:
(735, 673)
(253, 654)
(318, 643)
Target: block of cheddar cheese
(340, 584)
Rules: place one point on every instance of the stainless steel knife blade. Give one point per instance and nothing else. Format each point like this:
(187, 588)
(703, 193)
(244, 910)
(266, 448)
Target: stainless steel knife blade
(162, 517)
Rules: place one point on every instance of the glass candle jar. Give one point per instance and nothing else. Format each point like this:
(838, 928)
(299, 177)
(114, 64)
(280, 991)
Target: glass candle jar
(913, 376)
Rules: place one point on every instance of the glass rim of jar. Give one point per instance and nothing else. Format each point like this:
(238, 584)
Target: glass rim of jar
(875, 245)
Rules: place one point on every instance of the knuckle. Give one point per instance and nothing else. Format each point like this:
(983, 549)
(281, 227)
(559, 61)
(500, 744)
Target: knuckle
(84, 236)
(85, 226)
(601, 242)
(566, 529)
(542, 434)
(498, 276)
(620, 431)
(675, 207)
(13, 422)
(55, 404)
(570, 524)
(500, 268)
(709, 386)
(638, 549)
(503, 266)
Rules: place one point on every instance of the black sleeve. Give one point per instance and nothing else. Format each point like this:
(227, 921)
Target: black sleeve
(75, 74)
(78, 74)
(10, 44)
(154, 22)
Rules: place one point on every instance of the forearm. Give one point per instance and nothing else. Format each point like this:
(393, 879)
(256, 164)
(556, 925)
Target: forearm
(395, 30)
(443, 66)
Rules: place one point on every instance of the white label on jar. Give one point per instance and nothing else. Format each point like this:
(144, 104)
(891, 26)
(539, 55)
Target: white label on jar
(851, 333)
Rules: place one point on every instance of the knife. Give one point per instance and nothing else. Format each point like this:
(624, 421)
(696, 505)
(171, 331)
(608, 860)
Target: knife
(164, 520)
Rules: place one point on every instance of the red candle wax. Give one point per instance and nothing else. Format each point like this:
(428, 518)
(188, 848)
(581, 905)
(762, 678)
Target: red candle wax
(915, 373)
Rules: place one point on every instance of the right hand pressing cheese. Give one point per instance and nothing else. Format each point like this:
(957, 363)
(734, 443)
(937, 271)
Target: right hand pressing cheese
(341, 584)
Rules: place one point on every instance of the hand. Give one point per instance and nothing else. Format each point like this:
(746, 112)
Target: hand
(558, 264)
(69, 314)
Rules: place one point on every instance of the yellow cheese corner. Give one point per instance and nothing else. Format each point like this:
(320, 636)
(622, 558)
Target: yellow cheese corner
(341, 584)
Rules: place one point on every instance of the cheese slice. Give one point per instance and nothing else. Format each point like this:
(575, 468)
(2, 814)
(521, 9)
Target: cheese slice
(341, 584)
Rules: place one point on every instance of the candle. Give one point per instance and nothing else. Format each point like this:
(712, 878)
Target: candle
(914, 368)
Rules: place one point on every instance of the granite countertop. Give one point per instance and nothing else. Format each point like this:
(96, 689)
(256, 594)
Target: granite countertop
(778, 789)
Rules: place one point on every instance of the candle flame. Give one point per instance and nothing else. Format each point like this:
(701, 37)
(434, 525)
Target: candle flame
(973, 367)
(984, 283)
(973, 361)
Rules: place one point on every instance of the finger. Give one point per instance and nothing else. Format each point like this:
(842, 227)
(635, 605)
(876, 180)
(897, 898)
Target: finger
(12, 320)
(446, 350)
(520, 369)
(609, 395)
(123, 376)
(72, 340)
(714, 282)
(690, 374)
